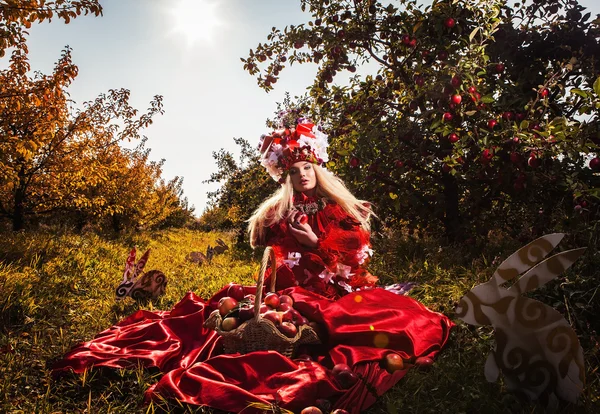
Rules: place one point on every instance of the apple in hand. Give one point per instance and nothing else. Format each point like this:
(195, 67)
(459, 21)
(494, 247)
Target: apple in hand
(226, 305)
(393, 362)
(272, 300)
(236, 291)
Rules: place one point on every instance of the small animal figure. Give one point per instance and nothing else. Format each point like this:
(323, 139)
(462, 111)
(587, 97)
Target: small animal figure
(210, 253)
(140, 285)
(198, 257)
(221, 247)
(536, 349)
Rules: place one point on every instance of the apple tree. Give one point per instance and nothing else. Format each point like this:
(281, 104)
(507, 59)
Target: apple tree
(456, 117)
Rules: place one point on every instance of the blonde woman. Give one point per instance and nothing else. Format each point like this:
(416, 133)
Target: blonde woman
(318, 229)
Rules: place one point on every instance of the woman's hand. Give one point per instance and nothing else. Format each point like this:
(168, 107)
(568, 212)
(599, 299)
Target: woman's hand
(302, 231)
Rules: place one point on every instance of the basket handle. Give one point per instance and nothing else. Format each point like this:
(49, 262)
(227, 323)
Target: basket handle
(268, 259)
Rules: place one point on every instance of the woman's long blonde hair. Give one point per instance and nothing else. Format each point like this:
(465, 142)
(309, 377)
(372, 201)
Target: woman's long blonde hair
(277, 207)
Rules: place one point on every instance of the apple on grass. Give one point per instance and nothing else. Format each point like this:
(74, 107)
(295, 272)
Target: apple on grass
(393, 362)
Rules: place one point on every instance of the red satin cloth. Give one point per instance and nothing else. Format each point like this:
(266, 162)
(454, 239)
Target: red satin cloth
(358, 329)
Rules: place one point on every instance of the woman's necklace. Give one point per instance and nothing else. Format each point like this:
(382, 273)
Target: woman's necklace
(311, 208)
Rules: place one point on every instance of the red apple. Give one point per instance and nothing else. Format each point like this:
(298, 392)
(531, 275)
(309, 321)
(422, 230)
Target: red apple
(486, 156)
(230, 323)
(286, 299)
(273, 316)
(393, 362)
(311, 410)
(595, 164)
(453, 138)
(507, 116)
(447, 116)
(272, 300)
(492, 123)
(246, 313)
(346, 379)
(226, 305)
(456, 99)
(323, 404)
(284, 307)
(354, 162)
(399, 164)
(236, 291)
(263, 308)
(449, 22)
(288, 329)
(472, 89)
(533, 161)
(339, 411)
(302, 321)
(499, 67)
(337, 368)
(413, 42)
(544, 93)
(287, 316)
(424, 361)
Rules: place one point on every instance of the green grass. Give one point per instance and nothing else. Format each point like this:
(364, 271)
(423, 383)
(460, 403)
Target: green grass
(58, 290)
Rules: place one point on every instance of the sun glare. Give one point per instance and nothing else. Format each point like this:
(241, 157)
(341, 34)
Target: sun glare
(197, 20)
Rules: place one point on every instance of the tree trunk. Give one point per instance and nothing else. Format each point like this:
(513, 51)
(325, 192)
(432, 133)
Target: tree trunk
(452, 222)
(18, 216)
(116, 223)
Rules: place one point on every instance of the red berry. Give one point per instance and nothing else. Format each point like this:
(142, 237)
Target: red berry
(595, 164)
(544, 93)
(354, 162)
(447, 116)
(499, 67)
(533, 161)
(472, 89)
(457, 99)
(453, 138)
(492, 123)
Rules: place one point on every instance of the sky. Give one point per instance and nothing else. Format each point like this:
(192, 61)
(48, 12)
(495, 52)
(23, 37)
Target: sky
(191, 56)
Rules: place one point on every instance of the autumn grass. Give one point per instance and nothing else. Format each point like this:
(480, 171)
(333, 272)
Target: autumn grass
(58, 290)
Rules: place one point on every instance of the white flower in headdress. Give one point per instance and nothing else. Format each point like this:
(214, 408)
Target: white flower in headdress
(293, 259)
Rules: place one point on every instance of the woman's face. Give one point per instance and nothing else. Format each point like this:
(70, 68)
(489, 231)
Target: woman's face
(303, 176)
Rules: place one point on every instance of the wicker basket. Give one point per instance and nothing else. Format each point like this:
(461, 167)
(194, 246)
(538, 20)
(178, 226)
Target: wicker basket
(258, 333)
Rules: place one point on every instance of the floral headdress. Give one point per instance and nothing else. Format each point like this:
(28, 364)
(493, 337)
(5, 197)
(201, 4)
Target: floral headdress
(296, 139)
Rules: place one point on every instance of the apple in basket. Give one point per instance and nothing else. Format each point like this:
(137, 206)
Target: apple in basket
(287, 316)
(236, 291)
(250, 298)
(263, 308)
(273, 316)
(286, 299)
(246, 312)
(272, 300)
(284, 307)
(226, 305)
(340, 411)
(230, 323)
(288, 329)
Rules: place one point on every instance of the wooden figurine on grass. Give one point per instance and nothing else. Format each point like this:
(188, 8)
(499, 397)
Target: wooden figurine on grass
(138, 284)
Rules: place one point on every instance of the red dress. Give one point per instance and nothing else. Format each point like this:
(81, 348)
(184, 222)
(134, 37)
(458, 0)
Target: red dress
(357, 331)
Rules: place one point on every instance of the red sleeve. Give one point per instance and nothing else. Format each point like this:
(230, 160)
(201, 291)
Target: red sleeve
(343, 238)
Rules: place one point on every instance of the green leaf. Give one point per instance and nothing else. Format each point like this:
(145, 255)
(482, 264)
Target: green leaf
(393, 196)
(487, 99)
(580, 92)
(597, 86)
(473, 33)
(470, 113)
